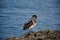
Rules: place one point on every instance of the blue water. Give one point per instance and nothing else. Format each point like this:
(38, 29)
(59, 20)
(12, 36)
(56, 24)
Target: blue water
(14, 13)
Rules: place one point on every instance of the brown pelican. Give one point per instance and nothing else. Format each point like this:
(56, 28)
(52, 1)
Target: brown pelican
(31, 23)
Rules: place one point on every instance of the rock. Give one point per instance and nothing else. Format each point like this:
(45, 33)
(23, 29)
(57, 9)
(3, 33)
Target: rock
(40, 35)
(12, 38)
(44, 32)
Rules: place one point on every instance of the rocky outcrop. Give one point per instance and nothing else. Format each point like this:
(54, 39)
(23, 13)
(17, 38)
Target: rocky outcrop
(40, 35)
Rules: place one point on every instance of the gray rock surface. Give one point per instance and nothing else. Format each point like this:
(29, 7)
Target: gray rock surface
(40, 35)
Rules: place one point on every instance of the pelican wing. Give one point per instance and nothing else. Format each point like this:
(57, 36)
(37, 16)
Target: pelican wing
(27, 25)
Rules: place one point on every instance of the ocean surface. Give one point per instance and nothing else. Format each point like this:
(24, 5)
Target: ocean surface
(14, 13)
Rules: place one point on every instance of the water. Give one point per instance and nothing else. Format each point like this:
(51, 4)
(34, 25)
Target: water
(14, 13)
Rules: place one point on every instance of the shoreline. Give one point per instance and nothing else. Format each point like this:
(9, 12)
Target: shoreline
(40, 35)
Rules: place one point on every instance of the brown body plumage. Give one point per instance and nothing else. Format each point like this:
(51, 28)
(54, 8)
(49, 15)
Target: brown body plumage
(31, 23)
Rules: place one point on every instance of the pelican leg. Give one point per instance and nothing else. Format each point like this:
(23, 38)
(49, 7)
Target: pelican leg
(30, 30)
